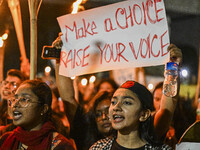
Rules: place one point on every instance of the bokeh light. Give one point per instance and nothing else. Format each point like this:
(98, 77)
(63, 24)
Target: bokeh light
(47, 69)
(150, 86)
(184, 73)
(84, 81)
(5, 36)
(92, 79)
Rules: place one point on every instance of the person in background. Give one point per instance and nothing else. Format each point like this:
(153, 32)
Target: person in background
(87, 92)
(31, 113)
(157, 95)
(184, 115)
(99, 125)
(108, 85)
(58, 111)
(12, 81)
(130, 114)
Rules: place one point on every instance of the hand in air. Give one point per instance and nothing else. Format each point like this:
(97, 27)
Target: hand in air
(175, 53)
(58, 42)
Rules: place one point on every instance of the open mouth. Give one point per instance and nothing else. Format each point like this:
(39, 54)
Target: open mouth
(118, 118)
(17, 115)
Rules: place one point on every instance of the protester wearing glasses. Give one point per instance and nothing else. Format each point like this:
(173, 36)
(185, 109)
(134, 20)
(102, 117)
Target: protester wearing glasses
(31, 113)
(12, 81)
(8, 87)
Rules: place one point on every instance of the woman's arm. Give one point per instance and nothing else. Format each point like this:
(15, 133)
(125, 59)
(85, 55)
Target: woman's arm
(164, 115)
(65, 87)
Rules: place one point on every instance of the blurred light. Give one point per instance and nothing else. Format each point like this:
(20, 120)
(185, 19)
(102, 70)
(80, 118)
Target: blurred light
(92, 79)
(47, 69)
(76, 6)
(73, 78)
(5, 36)
(84, 81)
(184, 73)
(150, 86)
(1, 42)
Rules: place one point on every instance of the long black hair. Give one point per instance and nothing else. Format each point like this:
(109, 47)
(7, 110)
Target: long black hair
(44, 94)
(93, 132)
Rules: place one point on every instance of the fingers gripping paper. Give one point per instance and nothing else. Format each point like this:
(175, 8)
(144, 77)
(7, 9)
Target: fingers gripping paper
(127, 34)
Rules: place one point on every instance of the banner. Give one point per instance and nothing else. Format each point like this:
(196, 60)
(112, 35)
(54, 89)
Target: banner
(188, 146)
(127, 34)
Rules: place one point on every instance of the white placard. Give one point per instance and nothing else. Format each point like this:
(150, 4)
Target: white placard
(127, 34)
(188, 146)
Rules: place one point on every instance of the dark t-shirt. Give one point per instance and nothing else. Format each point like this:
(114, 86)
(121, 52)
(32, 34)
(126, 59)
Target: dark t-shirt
(116, 146)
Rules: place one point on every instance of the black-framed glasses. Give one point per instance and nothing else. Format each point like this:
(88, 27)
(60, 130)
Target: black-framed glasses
(4, 83)
(22, 101)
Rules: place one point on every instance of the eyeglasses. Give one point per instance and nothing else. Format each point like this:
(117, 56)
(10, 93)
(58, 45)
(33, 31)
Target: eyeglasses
(99, 114)
(14, 84)
(22, 101)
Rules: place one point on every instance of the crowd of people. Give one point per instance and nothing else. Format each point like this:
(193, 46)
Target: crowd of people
(116, 117)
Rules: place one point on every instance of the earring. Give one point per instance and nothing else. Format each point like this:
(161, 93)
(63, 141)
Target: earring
(41, 114)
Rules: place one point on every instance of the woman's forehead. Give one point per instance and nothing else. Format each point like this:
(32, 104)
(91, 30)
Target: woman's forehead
(124, 91)
(24, 88)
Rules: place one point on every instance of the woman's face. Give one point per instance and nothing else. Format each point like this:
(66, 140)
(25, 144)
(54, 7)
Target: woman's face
(125, 110)
(157, 98)
(26, 116)
(102, 117)
(105, 86)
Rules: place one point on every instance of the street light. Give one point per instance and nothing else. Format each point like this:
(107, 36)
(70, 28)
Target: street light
(184, 73)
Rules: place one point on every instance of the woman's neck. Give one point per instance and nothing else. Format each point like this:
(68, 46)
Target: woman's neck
(131, 140)
(34, 127)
